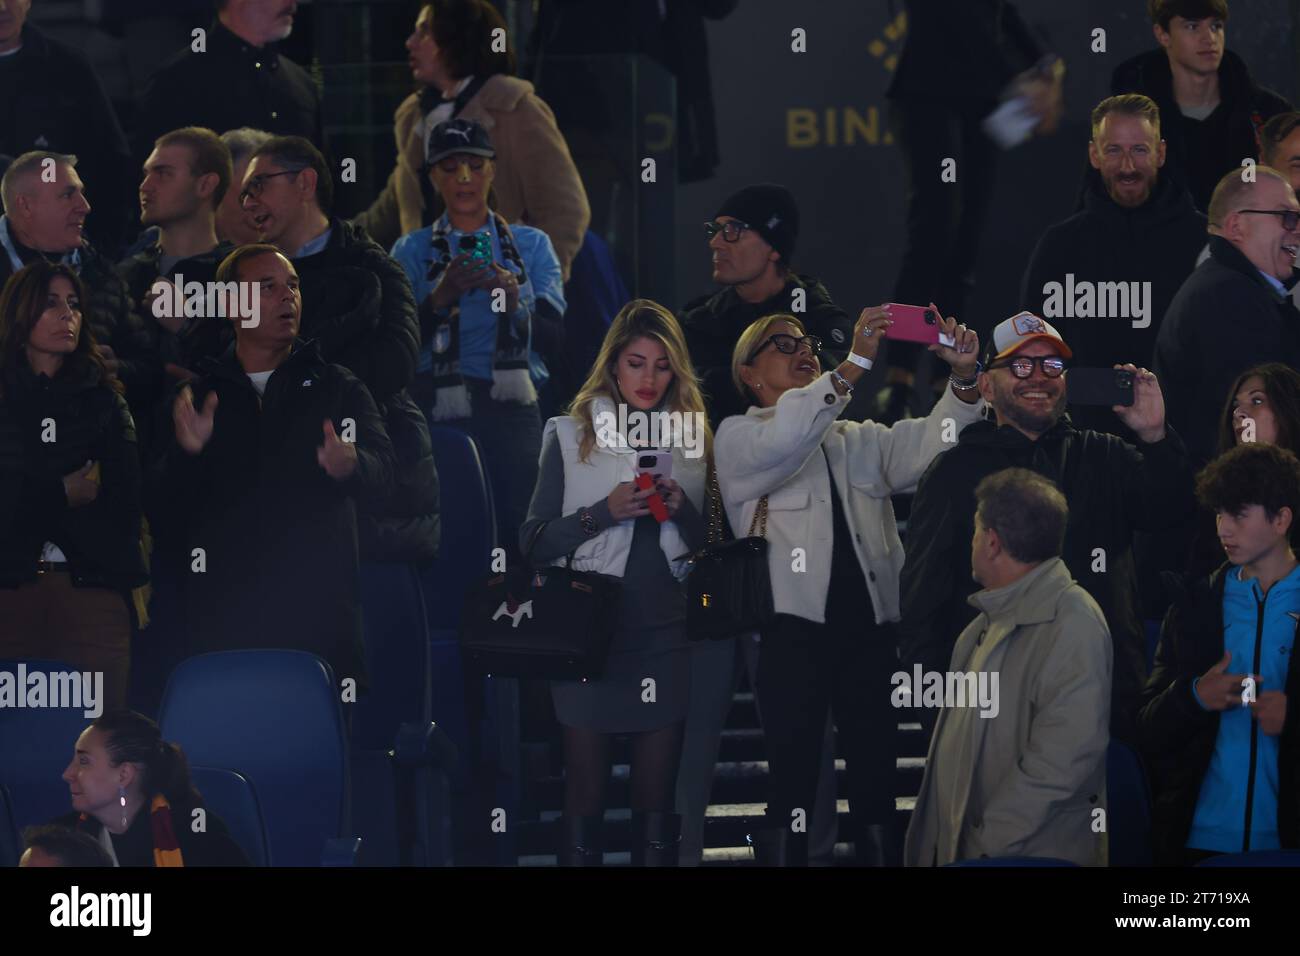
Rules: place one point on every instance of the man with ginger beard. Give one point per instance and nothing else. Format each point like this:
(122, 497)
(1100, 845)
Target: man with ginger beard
(1136, 225)
(1113, 488)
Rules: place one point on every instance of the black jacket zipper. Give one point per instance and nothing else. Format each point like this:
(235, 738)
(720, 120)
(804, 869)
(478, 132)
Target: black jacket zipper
(1254, 728)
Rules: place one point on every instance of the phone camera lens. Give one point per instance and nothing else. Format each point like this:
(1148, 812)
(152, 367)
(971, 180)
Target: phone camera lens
(929, 317)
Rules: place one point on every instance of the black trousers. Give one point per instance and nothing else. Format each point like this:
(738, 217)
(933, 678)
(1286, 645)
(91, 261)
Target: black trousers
(944, 219)
(846, 665)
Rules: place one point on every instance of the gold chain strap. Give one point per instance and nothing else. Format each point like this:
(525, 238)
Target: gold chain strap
(714, 532)
(759, 519)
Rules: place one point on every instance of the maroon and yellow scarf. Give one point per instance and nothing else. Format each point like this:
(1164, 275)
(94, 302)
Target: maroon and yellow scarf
(166, 851)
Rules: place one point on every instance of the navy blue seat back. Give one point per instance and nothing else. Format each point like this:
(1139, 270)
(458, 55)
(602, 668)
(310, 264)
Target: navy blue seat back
(397, 655)
(10, 846)
(231, 797)
(468, 526)
(275, 717)
(36, 746)
(1128, 811)
(1014, 861)
(1255, 858)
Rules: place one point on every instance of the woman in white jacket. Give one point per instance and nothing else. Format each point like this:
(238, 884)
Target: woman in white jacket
(586, 504)
(834, 557)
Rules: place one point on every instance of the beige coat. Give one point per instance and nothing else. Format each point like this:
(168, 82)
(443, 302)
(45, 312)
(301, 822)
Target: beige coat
(1039, 765)
(536, 181)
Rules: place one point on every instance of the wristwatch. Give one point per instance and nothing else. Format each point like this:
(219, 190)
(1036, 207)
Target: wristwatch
(588, 522)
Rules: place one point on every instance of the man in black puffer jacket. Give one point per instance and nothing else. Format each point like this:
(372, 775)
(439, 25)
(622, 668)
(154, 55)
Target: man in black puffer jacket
(45, 218)
(266, 485)
(358, 306)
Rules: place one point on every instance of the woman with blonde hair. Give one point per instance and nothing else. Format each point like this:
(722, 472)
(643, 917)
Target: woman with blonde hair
(819, 490)
(640, 397)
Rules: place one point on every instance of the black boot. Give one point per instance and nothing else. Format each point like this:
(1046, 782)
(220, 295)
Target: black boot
(656, 837)
(778, 846)
(878, 844)
(581, 843)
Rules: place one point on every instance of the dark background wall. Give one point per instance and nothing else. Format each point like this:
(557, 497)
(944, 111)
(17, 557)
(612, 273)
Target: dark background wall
(850, 193)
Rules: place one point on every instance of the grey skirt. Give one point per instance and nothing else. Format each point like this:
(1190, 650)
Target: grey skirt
(646, 685)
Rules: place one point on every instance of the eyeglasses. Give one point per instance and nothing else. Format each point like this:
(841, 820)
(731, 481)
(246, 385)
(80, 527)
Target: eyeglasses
(730, 230)
(1022, 366)
(258, 183)
(1290, 217)
(451, 164)
(788, 344)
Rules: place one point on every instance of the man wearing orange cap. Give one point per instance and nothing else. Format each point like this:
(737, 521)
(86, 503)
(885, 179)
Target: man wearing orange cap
(1112, 487)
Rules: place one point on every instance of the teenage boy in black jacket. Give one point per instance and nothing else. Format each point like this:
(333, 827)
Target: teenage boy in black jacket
(1221, 743)
(1213, 111)
(272, 448)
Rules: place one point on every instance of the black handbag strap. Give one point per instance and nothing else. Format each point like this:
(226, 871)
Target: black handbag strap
(532, 543)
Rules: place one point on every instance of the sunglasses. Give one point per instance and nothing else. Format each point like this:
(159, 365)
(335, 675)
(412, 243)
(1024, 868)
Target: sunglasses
(449, 164)
(258, 183)
(788, 344)
(730, 230)
(1023, 366)
(1290, 217)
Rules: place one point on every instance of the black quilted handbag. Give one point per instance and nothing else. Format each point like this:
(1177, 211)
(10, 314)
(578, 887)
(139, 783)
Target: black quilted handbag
(549, 622)
(729, 587)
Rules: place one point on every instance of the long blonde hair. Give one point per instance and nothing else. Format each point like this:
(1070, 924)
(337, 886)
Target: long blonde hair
(640, 318)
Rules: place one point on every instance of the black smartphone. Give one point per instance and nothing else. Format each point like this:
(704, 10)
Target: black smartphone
(1099, 386)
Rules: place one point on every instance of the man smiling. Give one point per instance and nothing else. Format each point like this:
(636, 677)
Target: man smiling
(1234, 311)
(1113, 489)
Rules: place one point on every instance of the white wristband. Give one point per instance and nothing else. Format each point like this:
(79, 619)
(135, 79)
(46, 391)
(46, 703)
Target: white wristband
(861, 362)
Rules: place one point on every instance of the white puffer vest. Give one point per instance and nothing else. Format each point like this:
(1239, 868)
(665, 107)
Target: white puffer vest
(586, 483)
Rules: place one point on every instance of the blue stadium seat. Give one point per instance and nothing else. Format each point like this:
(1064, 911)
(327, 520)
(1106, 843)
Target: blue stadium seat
(1128, 810)
(1014, 861)
(10, 842)
(37, 744)
(468, 526)
(400, 759)
(231, 797)
(275, 717)
(1255, 858)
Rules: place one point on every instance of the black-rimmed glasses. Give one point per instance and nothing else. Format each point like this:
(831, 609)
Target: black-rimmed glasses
(787, 344)
(1022, 366)
(258, 183)
(730, 230)
(1290, 217)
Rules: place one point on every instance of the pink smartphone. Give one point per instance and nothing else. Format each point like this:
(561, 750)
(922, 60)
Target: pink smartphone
(915, 323)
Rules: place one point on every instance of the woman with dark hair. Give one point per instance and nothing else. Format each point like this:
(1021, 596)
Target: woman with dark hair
(70, 513)
(465, 71)
(1263, 406)
(131, 791)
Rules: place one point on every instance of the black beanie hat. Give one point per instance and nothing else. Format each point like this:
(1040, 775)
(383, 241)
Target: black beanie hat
(770, 211)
